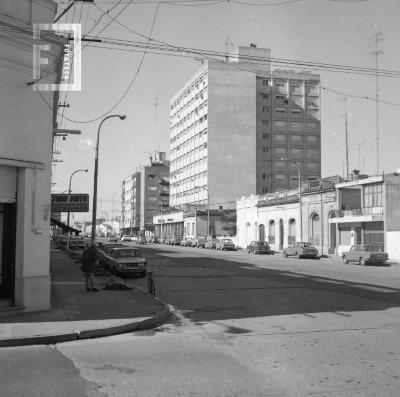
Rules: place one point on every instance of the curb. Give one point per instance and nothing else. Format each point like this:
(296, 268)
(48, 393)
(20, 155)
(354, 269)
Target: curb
(148, 323)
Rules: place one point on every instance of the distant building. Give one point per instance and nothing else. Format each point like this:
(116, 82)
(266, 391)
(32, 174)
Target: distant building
(28, 119)
(231, 124)
(144, 194)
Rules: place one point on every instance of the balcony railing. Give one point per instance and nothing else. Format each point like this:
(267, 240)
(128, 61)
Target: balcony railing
(362, 211)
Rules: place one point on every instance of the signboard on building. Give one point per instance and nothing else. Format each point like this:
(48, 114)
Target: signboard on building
(70, 203)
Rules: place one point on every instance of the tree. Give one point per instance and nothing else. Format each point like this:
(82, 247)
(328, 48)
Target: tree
(228, 220)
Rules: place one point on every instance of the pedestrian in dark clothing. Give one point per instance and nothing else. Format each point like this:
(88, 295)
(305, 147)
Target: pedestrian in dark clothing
(89, 259)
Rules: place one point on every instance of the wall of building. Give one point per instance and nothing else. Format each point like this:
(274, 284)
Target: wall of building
(231, 133)
(392, 215)
(26, 145)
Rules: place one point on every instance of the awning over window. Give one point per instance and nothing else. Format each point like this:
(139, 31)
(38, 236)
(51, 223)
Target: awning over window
(64, 227)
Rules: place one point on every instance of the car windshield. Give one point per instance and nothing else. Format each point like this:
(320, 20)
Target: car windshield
(263, 243)
(128, 253)
(227, 241)
(308, 245)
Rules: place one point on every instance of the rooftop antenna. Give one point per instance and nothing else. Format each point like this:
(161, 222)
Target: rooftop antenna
(156, 103)
(377, 40)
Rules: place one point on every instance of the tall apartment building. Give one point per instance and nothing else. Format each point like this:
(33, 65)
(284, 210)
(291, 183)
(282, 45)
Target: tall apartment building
(143, 195)
(233, 122)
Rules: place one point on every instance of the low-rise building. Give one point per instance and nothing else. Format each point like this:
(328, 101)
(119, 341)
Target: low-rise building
(369, 214)
(275, 217)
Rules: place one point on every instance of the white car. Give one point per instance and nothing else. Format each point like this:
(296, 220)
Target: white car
(126, 237)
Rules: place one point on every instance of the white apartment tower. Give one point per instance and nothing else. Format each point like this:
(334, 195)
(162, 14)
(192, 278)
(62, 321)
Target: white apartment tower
(234, 121)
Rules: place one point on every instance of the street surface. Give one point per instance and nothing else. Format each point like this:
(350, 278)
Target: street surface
(244, 325)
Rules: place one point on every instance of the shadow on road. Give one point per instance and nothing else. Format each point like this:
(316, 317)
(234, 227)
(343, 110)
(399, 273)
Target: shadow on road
(209, 288)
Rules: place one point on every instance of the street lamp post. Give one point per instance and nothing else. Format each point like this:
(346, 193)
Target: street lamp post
(300, 210)
(96, 166)
(69, 193)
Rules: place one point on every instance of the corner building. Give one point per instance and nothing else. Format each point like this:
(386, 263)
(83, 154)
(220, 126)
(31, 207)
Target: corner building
(232, 123)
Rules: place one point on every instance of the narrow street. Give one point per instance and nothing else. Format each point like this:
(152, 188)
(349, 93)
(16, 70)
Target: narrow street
(243, 326)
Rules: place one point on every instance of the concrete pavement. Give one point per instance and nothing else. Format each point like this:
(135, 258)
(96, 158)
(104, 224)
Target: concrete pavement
(78, 314)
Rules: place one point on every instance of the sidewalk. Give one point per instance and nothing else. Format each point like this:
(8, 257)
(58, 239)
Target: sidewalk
(77, 314)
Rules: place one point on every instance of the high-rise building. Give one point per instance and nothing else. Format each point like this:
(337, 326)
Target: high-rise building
(234, 122)
(144, 193)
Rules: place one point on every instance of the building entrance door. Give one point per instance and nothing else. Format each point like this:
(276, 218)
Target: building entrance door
(7, 249)
(281, 234)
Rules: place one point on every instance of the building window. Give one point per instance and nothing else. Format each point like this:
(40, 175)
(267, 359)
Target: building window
(271, 232)
(280, 137)
(280, 124)
(152, 187)
(312, 139)
(280, 110)
(263, 176)
(265, 109)
(373, 195)
(280, 150)
(280, 177)
(265, 149)
(296, 126)
(265, 122)
(312, 153)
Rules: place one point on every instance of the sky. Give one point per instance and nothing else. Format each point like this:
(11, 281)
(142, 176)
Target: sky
(325, 31)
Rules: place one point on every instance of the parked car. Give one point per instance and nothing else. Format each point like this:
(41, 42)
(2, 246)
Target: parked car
(126, 261)
(112, 237)
(142, 240)
(364, 255)
(104, 249)
(225, 244)
(186, 242)
(210, 243)
(199, 242)
(300, 250)
(77, 242)
(175, 240)
(126, 237)
(259, 248)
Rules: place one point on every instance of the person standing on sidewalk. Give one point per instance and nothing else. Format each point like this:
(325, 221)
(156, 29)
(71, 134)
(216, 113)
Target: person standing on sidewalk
(89, 259)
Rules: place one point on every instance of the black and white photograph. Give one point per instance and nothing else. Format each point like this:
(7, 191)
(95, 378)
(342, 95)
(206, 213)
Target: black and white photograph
(199, 198)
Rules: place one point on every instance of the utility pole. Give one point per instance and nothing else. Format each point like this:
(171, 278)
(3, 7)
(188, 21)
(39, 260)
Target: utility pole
(347, 137)
(377, 52)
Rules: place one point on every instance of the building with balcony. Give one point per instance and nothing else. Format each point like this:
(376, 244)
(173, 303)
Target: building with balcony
(234, 121)
(369, 214)
(144, 194)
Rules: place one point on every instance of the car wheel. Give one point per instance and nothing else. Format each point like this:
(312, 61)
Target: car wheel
(363, 261)
(345, 261)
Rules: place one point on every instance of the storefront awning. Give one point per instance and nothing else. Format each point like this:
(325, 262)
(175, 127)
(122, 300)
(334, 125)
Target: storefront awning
(64, 227)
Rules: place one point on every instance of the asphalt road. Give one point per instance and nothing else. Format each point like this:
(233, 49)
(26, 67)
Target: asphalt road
(244, 326)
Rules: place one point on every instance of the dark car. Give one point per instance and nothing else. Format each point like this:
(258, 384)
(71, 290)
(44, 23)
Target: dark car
(259, 248)
(365, 255)
(301, 250)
